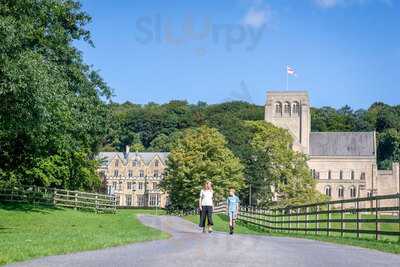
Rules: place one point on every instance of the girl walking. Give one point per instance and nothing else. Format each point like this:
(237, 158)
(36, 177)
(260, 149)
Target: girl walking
(206, 205)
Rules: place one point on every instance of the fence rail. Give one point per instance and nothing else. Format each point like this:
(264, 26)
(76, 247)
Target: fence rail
(60, 197)
(372, 217)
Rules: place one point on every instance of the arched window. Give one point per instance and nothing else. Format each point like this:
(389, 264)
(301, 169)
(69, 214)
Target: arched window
(328, 191)
(287, 108)
(329, 174)
(315, 174)
(341, 191)
(296, 108)
(353, 192)
(278, 108)
(341, 175)
(352, 175)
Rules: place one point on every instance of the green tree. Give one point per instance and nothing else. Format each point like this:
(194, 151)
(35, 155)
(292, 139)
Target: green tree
(51, 107)
(200, 155)
(276, 168)
(388, 148)
(165, 143)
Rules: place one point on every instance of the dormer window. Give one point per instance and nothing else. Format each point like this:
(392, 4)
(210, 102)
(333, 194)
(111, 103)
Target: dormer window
(156, 163)
(116, 163)
(135, 163)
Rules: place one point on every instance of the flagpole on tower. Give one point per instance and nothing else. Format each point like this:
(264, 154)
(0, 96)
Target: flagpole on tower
(287, 78)
(289, 71)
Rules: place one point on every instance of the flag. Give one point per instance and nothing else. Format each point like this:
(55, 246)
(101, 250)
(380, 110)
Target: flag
(291, 71)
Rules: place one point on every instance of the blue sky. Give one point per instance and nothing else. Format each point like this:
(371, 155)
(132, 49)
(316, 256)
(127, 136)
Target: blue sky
(344, 51)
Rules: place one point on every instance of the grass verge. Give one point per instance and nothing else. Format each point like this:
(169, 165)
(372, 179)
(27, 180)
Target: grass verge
(28, 231)
(221, 224)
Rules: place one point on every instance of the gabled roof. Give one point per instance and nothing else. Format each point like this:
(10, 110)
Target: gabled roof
(147, 157)
(342, 144)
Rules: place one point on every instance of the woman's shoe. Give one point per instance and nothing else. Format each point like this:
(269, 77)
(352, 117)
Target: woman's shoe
(230, 230)
(204, 230)
(210, 230)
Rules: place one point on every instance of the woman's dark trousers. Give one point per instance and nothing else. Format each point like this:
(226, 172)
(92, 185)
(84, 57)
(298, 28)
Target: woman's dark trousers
(206, 212)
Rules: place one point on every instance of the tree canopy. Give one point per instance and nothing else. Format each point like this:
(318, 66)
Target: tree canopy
(200, 155)
(52, 113)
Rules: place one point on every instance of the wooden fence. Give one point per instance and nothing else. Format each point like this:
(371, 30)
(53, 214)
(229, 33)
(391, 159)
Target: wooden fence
(371, 217)
(60, 197)
(218, 208)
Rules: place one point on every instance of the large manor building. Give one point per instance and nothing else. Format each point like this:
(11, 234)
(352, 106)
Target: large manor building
(134, 177)
(343, 163)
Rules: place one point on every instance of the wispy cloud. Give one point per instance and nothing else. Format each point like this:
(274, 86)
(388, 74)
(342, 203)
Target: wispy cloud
(257, 15)
(336, 3)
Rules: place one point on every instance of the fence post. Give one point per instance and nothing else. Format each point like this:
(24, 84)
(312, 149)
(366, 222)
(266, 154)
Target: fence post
(329, 220)
(341, 219)
(76, 201)
(97, 203)
(306, 223)
(55, 197)
(297, 219)
(289, 215)
(377, 225)
(317, 221)
(398, 213)
(358, 217)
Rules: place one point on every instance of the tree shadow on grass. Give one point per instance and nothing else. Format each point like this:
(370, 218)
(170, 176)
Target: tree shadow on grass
(28, 207)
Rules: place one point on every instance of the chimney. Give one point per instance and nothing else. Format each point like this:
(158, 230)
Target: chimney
(126, 151)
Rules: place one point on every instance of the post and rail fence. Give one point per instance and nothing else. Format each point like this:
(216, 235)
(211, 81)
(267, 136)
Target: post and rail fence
(370, 217)
(60, 198)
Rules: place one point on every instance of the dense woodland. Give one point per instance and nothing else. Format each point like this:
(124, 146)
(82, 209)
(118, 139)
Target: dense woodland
(154, 127)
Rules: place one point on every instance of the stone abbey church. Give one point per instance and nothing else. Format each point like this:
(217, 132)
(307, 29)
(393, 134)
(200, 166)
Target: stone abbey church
(344, 163)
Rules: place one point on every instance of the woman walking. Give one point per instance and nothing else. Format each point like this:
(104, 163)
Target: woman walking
(206, 206)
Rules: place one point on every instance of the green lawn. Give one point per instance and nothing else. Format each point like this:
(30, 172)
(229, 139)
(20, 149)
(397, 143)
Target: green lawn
(28, 231)
(221, 224)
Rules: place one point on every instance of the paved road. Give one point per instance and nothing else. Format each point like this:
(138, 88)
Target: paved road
(189, 247)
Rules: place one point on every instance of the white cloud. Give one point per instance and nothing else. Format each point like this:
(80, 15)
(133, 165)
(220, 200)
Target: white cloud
(255, 18)
(327, 3)
(335, 3)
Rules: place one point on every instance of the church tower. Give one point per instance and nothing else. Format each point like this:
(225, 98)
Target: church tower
(291, 110)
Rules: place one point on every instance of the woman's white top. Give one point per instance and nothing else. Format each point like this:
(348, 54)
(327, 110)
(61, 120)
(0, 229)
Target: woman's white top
(206, 197)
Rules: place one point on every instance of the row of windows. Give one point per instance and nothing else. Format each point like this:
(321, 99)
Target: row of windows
(340, 193)
(131, 186)
(153, 200)
(156, 173)
(136, 163)
(288, 108)
(316, 175)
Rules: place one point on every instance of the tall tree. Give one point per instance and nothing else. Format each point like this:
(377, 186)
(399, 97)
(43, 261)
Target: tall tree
(277, 170)
(51, 107)
(200, 155)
